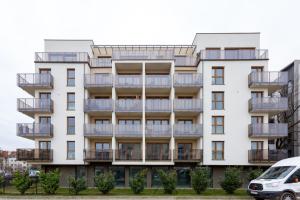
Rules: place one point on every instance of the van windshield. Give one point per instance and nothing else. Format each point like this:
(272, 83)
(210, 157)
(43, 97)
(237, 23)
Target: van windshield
(276, 172)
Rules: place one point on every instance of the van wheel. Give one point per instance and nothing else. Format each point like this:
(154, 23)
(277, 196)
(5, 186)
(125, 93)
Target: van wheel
(287, 196)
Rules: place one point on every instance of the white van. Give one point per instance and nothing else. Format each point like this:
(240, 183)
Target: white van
(281, 181)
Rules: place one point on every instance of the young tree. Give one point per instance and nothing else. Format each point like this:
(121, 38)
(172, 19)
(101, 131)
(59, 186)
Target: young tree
(50, 181)
(76, 185)
(105, 182)
(200, 179)
(21, 181)
(168, 180)
(138, 182)
(254, 173)
(232, 179)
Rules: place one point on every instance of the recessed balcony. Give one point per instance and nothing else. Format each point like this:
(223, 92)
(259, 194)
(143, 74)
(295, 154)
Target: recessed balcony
(35, 130)
(128, 131)
(234, 54)
(32, 106)
(190, 81)
(101, 62)
(98, 82)
(128, 155)
(188, 130)
(62, 57)
(190, 107)
(128, 107)
(98, 130)
(158, 107)
(98, 106)
(34, 81)
(271, 105)
(158, 131)
(129, 82)
(35, 155)
(92, 155)
(160, 155)
(143, 53)
(266, 155)
(270, 130)
(192, 155)
(158, 81)
(186, 61)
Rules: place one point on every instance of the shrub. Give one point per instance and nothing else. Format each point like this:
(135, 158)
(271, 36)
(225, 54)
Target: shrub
(21, 181)
(76, 185)
(200, 179)
(138, 182)
(50, 181)
(254, 173)
(2, 182)
(168, 180)
(232, 180)
(105, 182)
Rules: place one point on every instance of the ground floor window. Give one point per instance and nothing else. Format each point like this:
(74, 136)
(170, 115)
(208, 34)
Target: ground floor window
(119, 173)
(99, 170)
(155, 180)
(183, 177)
(80, 171)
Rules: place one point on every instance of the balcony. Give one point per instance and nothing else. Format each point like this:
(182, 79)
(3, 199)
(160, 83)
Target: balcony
(160, 155)
(234, 54)
(98, 155)
(98, 82)
(158, 107)
(266, 155)
(62, 57)
(98, 130)
(31, 106)
(158, 81)
(140, 54)
(100, 62)
(188, 106)
(98, 106)
(158, 131)
(192, 81)
(35, 155)
(271, 105)
(129, 81)
(193, 155)
(188, 130)
(128, 131)
(186, 61)
(32, 82)
(128, 155)
(271, 130)
(35, 130)
(127, 106)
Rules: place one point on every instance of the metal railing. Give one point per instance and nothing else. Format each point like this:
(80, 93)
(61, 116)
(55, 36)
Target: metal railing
(128, 105)
(143, 55)
(96, 105)
(193, 105)
(128, 155)
(158, 130)
(268, 130)
(158, 105)
(34, 154)
(195, 155)
(34, 130)
(182, 61)
(35, 105)
(35, 80)
(128, 130)
(104, 130)
(188, 130)
(98, 155)
(62, 57)
(268, 104)
(158, 156)
(158, 81)
(188, 80)
(128, 81)
(266, 155)
(98, 80)
(268, 78)
(100, 62)
(234, 54)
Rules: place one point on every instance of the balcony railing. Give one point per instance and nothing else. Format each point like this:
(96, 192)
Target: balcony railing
(268, 130)
(188, 105)
(182, 61)
(35, 130)
(98, 105)
(60, 57)
(100, 62)
(267, 79)
(105, 155)
(98, 130)
(188, 80)
(128, 155)
(128, 81)
(265, 104)
(193, 155)
(234, 54)
(35, 80)
(160, 155)
(158, 130)
(266, 155)
(98, 80)
(188, 130)
(158, 105)
(35, 105)
(128, 105)
(143, 54)
(128, 130)
(38, 155)
(158, 81)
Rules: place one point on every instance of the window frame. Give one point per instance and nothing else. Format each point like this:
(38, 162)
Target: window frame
(70, 78)
(68, 101)
(214, 124)
(214, 101)
(69, 151)
(69, 127)
(215, 150)
(215, 76)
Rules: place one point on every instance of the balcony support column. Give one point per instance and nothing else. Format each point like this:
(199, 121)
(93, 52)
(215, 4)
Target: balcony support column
(172, 120)
(144, 113)
(113, 117)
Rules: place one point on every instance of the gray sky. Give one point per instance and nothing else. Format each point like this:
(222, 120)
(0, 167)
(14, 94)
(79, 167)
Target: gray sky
(24, 25)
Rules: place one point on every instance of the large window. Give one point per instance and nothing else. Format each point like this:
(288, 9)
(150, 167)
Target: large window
(218, 75)
(158, 151)
(119, 173)
(71, 150)
(71, 77)
(217, 124)
(183, 177)
(71, 101)
(71, 125)
(217, 101)
(218, 150)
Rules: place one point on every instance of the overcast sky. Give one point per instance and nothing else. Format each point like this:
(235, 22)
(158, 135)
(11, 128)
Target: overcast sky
(25, 23)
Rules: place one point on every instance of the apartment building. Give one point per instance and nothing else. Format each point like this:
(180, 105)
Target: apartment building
(128, 107)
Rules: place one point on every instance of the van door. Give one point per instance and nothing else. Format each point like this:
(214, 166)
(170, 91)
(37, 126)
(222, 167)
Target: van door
(293, 182)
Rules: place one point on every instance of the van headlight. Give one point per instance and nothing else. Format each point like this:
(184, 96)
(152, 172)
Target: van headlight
(272, 185)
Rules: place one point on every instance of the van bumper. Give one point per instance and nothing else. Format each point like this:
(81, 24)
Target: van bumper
(264, 194)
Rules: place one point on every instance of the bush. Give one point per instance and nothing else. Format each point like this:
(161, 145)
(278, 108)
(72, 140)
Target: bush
(200, 179)
(50, 181)
(76, 185)
(22, 182)
(105, 182)
(168, 180)
(2, 182)
(138, 182)
(232, 180)
(254, 173)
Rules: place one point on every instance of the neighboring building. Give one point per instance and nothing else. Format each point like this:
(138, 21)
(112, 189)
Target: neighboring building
(9, 162)
(127, 107)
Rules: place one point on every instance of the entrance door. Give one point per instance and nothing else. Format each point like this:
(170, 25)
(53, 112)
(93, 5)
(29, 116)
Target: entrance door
(184, 151)
(102, 151)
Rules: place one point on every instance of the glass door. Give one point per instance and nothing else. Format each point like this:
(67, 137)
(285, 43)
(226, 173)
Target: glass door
(184, 151)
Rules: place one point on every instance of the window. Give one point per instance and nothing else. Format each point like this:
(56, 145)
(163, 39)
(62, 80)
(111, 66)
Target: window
(294, 178)
(217, 101)
(71, 125)
(257, 94)
(157, 151)
(218, 150)
(218, 75)
(71, 101)
(257, 119)
(257, 68)
(119, 173)
(71, 77)
(70, 150)
(44, 145)
(217, 124)
(184, 151)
